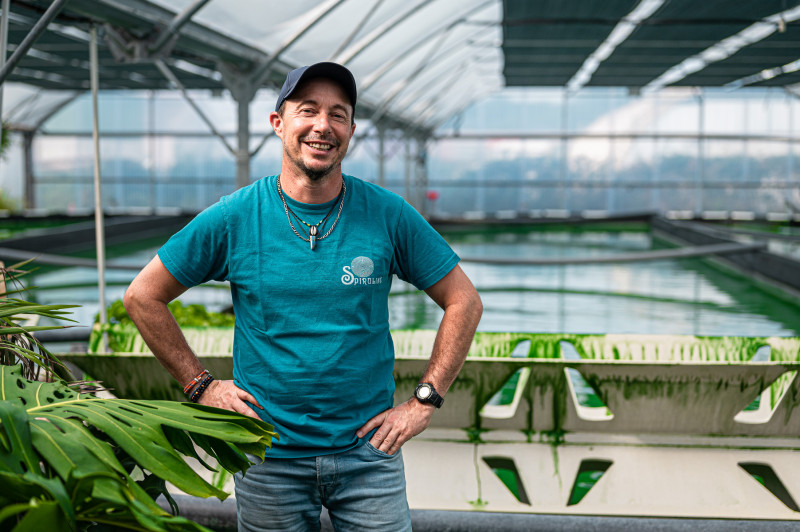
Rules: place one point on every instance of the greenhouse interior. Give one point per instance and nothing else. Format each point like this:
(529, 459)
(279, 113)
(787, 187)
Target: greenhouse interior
(620, 181)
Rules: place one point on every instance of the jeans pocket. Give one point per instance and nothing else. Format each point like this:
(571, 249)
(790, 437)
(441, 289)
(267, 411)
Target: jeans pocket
(380, 453)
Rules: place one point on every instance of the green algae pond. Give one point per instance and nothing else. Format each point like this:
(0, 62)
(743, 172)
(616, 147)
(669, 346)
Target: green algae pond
(670, 296)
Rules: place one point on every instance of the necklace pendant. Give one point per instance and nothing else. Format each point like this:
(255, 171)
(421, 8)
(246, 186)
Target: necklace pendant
(312, 236)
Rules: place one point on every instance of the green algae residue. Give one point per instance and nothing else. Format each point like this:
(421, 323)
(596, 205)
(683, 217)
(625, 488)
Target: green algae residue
(474, 435)
(545, 346)
(478, 503)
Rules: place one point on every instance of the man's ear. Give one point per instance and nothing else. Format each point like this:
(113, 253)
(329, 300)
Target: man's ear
(352, 129)
(276, 122)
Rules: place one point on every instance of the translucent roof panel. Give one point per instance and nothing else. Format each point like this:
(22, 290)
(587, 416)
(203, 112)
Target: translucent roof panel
(416, 61)
(401, 52)
(27, 107)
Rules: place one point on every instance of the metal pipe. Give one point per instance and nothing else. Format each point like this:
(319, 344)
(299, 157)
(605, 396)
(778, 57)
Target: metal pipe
(405, 82)
(98, 198)
(3, 47)
(261, 144)
(381, 157)
(263, 71)
(30, 179)
(162, 66)
(403, 54)
(436, 110)
(407, 170)
(380, 31)
(357, 29)
(31, 38)
(175, 26)
(243, 142)
(429, 91)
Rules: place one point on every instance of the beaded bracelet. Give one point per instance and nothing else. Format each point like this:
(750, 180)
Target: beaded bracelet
(195, 381)
(200, 388)
(192, 386)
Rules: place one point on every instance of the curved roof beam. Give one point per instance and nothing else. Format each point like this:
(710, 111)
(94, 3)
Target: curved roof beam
(176, 25)
(472, 97)
(402, 85)
(263, 70)
(405, 82)
(767, 73)
(436, 124)
(621, 31)
(725, 48)
(56, 108)
(30, 113)
(433, 104)
(429, 88)
(389, 65)
(379, 32)
(357, 29)
(429, 103)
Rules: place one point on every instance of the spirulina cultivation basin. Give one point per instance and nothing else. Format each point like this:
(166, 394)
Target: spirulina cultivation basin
(633, 425)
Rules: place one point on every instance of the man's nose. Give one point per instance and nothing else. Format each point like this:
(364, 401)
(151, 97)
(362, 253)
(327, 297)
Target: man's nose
(322, 123)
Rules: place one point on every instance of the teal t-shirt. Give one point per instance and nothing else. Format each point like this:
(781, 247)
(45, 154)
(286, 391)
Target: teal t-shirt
(312, 340)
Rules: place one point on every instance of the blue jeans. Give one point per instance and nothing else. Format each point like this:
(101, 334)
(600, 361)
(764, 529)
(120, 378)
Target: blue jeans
(363, 489)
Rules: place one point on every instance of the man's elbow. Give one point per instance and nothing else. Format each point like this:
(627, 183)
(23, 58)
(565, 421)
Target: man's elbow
(471, 307)
(128, 299)
(132, 300)
(476, 305)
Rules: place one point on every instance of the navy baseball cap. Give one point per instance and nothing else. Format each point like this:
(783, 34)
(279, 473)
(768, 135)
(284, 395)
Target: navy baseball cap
(333, 71)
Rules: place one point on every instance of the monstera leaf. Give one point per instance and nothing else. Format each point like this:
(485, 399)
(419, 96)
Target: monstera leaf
(67, 459)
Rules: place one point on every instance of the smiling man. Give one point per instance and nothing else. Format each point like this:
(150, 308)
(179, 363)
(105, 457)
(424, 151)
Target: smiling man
(310, 255)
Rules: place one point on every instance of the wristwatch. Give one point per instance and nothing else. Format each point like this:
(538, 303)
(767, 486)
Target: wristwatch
(426, 394)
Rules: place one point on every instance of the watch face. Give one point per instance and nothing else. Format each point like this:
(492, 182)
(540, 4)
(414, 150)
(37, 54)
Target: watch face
(423, 392)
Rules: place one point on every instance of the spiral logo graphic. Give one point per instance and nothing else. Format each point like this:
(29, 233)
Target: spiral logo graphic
(362, 266)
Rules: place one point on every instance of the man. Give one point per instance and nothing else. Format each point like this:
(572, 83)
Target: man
(309, 255)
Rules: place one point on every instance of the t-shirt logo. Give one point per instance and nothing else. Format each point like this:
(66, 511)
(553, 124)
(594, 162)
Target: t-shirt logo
(359, 272)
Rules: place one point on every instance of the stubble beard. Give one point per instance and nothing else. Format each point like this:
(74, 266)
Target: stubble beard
(312, 174)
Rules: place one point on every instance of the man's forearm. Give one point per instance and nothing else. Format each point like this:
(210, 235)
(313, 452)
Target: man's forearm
(462, 312)
(452, 343)
(164, 338)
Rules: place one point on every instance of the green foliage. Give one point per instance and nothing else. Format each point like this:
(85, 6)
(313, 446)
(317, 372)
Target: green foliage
(6, 203)
(186, 315)
(67, 460)
(71, 461)
(5, 140)
(122, 332)
(17, 343)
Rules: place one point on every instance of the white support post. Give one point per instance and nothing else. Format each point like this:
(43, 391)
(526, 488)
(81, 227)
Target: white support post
(701, 155)
(408, 163)
(3, 47)
(98, 198)
(243, 143)
(381, 157)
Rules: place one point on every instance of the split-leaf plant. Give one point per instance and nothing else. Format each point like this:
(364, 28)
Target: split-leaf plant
(72, 461)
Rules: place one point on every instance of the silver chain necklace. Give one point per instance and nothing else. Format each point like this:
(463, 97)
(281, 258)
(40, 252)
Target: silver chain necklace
(313, 229)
